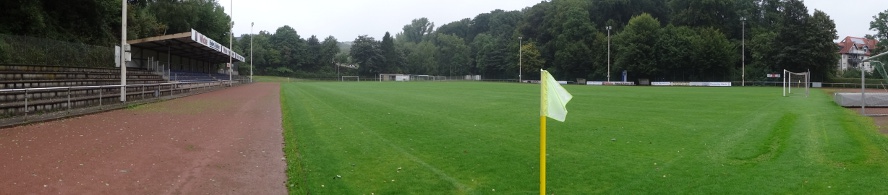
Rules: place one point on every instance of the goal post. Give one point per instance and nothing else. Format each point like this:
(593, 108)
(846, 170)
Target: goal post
(801, 79)
(349, 78)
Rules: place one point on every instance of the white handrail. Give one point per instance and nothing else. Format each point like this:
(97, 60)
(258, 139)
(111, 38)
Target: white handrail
(172, 90)
(104, 86)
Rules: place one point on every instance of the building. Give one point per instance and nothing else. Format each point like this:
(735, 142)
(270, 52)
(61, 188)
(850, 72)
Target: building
(854, 50)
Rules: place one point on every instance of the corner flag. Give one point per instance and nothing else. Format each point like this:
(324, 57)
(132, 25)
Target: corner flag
(553, 99)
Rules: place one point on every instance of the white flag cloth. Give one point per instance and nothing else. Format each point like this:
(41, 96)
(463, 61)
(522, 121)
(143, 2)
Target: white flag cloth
(553, 97)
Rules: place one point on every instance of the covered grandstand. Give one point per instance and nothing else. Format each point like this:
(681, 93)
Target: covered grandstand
(183, 56)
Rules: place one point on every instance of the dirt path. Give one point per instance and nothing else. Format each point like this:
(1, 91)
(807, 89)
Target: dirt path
(222, 142)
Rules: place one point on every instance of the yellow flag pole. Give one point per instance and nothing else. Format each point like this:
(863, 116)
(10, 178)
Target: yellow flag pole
(542, 155)
(543, 110)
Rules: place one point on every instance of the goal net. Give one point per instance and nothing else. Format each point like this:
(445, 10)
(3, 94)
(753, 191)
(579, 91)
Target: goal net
(350, 78)
(421, 78)
(797, 80)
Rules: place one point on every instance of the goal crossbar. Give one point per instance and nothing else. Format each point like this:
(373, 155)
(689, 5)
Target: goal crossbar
(787, 81)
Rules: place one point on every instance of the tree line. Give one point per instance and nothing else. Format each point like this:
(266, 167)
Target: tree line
(97, 22)
(659, 40)
(679, 40)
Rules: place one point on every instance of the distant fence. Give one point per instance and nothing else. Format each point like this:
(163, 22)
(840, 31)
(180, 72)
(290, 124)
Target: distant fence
(40, 51)
(870, 84)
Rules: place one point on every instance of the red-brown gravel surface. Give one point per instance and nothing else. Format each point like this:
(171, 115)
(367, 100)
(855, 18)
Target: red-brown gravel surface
(222, 142)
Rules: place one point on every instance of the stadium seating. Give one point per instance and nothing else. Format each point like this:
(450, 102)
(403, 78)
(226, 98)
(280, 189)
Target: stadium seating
(196, 77)
(28, 76)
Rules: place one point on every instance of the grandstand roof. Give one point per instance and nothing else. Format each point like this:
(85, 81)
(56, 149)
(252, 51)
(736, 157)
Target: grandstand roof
(189, 44)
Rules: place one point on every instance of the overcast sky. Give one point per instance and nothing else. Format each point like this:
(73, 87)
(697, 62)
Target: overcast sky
(347, 19)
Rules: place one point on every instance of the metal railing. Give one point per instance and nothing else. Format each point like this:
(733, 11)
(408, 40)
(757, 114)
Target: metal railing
(141, 88)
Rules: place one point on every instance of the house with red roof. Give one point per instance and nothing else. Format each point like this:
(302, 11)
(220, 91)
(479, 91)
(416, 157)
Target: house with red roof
(854, 50)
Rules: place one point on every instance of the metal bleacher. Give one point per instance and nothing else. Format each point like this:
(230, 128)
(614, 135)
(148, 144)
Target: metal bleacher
(196, 77)
(40, 89)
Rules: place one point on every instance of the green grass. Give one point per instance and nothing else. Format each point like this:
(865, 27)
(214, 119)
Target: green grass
(474, 138)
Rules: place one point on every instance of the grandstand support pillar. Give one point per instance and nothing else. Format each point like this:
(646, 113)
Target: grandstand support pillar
(122, 55)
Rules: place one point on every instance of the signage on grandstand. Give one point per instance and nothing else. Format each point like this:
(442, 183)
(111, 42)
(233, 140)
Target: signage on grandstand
(773, 75)
(204, 40)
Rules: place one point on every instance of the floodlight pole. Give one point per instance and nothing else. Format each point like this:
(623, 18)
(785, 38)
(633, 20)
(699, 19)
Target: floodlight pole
(230, 40)
(122, 53)
(743, 53)
(519, 58)
(608, 54)
(251, 50)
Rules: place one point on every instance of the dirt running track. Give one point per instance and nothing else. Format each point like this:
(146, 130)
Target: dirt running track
(222, 142)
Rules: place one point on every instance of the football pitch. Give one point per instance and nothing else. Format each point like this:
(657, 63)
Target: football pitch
(483, 138)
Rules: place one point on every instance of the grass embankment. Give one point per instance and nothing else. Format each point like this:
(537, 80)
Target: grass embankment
(476, 138)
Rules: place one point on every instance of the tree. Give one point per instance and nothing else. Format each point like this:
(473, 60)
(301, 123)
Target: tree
(454, 55)
(705, 13)
(312, 55)
(531, 60)
(637, 50)
(422, 58)
(91, 22)
(418, 29)
(714, 56)
(621, 11)
(291, 48)
(392, 59)
(791, 36)
(822, 51)
(329, 50)
(676, 53)
(459, 28)
(367, 54)
(574, 41)
(880, 25)
(205, 16)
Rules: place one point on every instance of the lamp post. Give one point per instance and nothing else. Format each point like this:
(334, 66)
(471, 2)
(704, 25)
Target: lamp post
(608, 54)
(743, 53)
(251, 51)
(519, 58)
